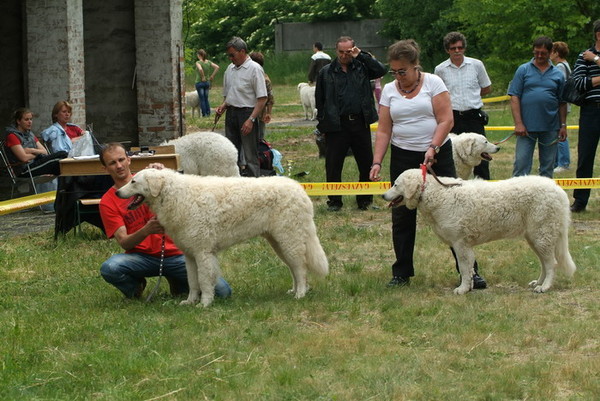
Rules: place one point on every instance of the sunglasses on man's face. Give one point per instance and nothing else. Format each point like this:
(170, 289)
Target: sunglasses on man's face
(231, 55)
(455, 48)
(345, 51)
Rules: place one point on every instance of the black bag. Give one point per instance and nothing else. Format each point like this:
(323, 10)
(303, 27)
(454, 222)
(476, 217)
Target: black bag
(265, 158)
(571, 94)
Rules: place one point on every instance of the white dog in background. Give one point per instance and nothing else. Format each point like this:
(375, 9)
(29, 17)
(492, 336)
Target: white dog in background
(204, 215)
(192, 102)
(307, 98)
(468, 213)
(206, 153)
(468, 150)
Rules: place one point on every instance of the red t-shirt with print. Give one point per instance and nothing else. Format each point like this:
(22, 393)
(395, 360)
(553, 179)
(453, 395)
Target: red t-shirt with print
(115, 214)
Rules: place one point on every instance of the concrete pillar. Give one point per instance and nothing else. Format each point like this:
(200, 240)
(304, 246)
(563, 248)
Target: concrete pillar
(55, 67)
(159, 70)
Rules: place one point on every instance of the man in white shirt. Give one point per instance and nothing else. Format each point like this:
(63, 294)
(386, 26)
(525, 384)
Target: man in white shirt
(317, 61)
(244, 97)
(467, 81)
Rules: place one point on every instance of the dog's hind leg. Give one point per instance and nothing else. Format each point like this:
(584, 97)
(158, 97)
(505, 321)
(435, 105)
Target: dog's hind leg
(289, 250)
(547, 261)
(466, 259)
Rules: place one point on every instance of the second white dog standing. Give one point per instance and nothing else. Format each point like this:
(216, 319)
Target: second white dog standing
(307, 98)
(468, 213)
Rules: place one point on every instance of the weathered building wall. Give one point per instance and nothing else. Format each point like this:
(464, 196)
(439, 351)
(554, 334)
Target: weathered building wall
(55, 62)
(117, 61)
(159, 82)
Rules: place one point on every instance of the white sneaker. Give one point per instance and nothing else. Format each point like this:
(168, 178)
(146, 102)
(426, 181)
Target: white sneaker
(560, 169)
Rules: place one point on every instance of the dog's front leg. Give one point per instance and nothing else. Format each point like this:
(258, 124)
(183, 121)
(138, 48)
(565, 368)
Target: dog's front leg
(192, 276)
(208, 273)
(466, 258)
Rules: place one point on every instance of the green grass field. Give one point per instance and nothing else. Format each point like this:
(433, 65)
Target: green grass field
(68, 335)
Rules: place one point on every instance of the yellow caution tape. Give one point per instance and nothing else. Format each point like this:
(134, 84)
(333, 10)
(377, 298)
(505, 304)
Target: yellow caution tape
(496, 99)
(26, 202)
(378, 188)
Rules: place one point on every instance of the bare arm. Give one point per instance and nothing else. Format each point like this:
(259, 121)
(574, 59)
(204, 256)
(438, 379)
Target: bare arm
(485, 91)
(248, 124)
(442, 110)
(382, 141)
(27, 154)
(515, 108)
(215, 70)
(130, 241)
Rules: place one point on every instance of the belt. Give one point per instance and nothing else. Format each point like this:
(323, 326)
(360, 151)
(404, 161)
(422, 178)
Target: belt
(240, 108)
(467, 113)
(351, 117)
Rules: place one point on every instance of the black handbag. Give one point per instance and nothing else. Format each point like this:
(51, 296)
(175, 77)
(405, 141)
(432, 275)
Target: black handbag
(571, 94)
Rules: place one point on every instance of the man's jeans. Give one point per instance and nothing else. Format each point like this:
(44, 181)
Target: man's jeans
(524, 153)
(126, 271)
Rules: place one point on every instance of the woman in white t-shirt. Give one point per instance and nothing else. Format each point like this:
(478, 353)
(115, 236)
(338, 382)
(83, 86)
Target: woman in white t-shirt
(415, 115)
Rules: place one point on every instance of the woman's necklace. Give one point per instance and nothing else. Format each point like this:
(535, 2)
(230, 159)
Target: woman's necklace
(413, 89)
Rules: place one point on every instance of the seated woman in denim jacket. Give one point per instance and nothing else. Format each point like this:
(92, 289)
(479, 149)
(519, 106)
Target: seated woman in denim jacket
(61, 134)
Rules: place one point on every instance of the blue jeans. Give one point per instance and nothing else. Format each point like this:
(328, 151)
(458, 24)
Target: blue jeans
(563, 155)
(127, 270)
(202, 88)
(524, 153)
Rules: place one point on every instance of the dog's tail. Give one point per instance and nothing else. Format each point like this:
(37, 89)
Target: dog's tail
(316, 259)
(562, 254)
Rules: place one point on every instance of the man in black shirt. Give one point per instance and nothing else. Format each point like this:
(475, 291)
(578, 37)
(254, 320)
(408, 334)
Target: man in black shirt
(345, 111)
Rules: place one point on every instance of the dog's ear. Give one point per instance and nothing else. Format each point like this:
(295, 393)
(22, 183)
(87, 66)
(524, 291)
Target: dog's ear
(412, 189)
(155, 184)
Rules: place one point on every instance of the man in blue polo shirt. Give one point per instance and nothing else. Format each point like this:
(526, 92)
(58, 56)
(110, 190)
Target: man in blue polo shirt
(538, 111)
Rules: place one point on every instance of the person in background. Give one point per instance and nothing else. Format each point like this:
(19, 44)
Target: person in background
(317, 61)
(244, 97)
(265, 116)
(141, 235)
(62, 133)
(586, 74)
(23, 149)
(467, 81)
(558, 56)
(205, 73)
(415, 117)
(345, 111)
(539, 113)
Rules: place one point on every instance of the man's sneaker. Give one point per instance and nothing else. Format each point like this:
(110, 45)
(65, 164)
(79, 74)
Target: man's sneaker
(398, 281)
(561, 169)
(478, 282)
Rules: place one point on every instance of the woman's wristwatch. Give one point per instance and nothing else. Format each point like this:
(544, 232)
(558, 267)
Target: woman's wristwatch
(596, 59)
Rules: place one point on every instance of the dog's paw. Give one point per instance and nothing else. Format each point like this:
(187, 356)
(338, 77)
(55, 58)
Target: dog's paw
(461, 290)
(187, 302)
(539, 289)
(533, 283)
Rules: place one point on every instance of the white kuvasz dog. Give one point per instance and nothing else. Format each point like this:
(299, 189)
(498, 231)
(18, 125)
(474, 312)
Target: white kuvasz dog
(468, 150)
(192, 102)
(307, 98)
(468, 213)
(204, 215)
(206, 153)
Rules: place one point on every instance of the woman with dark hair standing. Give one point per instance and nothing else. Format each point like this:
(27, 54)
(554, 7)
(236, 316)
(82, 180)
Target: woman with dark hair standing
(24, 149)
(205, 72)
(415, 117)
